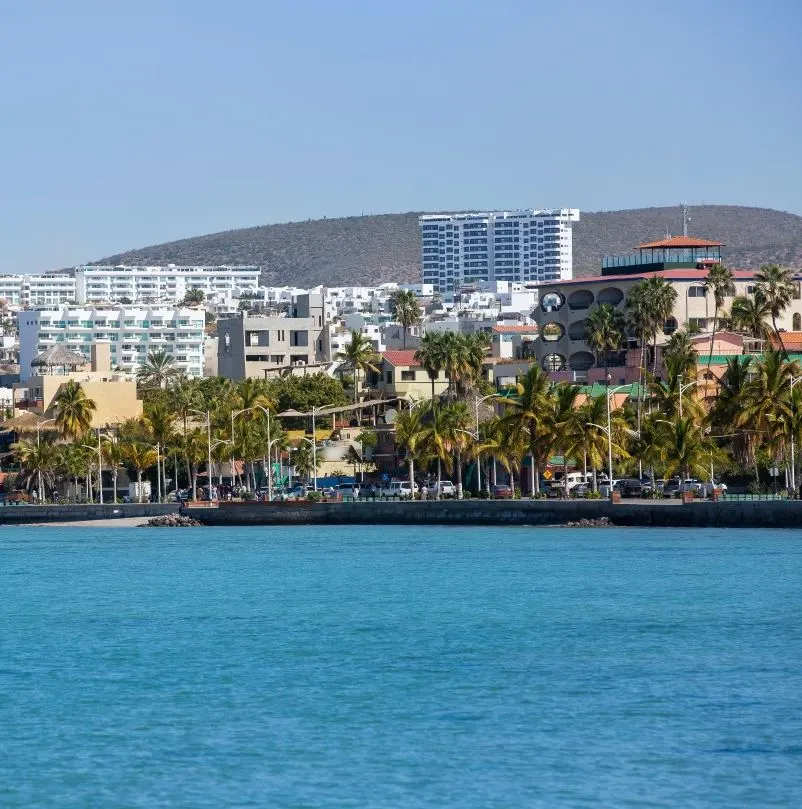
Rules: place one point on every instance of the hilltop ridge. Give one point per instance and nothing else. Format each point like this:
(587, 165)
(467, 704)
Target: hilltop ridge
(374, 249)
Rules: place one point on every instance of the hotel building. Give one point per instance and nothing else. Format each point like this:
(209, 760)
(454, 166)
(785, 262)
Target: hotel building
(131, 332)
(140, 284)
(37, 290)
(525, 246)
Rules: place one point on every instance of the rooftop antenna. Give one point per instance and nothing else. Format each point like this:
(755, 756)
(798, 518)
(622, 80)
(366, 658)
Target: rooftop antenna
(686, 217)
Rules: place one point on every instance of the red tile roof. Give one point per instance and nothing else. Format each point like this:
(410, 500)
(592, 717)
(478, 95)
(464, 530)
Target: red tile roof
(792, 340)
(679, 241)
(522, 329)
(401, 358)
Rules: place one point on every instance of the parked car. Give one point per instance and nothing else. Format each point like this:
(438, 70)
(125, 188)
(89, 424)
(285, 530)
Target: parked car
(581, 490)
(397, 488)
(671, 488)
(501, 491)
(349, 490)
(368, 491)
(629, 487)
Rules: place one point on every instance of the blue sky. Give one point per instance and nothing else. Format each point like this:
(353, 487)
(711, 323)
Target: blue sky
(130, 123)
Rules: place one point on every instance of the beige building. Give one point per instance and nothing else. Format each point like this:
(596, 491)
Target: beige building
(113, 393)
(401, 375)
(683, 261)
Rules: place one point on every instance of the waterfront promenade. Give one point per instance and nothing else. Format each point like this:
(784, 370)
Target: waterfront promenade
(654, 513)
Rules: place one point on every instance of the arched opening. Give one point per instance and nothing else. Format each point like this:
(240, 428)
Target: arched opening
(576, 331)
(580, 299)
(796, 321)
(552, 302)
(581, 361)
(610, 295)
(670, 326)
(552, 332)
(553, 362)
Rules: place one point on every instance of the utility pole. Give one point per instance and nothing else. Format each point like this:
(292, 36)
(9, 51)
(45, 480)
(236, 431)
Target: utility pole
(686, 217)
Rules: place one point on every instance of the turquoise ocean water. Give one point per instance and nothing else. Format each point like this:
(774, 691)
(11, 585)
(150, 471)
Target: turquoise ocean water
(393, 667)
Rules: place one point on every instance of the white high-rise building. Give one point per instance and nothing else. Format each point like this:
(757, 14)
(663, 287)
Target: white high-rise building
(140, 284)
(37, 290)
(525, 246)
(131, 331)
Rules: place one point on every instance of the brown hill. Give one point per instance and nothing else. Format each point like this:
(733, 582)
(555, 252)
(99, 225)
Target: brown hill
(373, 249)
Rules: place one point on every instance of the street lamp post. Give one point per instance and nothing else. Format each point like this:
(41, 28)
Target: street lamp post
(208, 415)
(266, 411)
(683, 388)
(39, 473)
(609, 430)
(477, 400)
(220, 466)
(794, 380)
(99, 449)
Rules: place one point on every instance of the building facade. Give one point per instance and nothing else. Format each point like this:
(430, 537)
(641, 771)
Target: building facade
(131, 332)
(37, 290)
(140, 284)
(260, 346)
(524, 246)
(682, 261)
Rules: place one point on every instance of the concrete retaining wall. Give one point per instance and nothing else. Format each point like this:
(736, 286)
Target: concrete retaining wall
(19, 515)
(780, 514)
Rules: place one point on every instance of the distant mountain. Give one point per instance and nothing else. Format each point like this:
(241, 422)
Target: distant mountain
(373, 249)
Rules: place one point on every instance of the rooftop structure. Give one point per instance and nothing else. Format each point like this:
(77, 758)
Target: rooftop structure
(665, 254)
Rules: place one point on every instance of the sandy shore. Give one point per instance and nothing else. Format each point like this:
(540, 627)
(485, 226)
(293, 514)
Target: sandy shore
(112, 522)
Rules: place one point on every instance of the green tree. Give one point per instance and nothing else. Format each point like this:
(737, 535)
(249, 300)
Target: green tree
(719, 281)
(686, 449)
(193, 297)
(304, 460)
(605, 331)
(432, 356)
(38, 461)
(651, 302)
(775, 285)
(158, 370)
(406, 310)
(359, 355)
(410, 435)
(748, 315)
(112, 453)
(74, 410)
(140, 457)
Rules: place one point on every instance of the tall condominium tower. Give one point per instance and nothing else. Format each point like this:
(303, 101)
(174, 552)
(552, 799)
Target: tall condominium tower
(526, 246)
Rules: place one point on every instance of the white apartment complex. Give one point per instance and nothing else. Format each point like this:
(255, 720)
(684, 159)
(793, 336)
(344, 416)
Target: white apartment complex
(37, 290)
(141, 284)
(524, 246)
(131, 332)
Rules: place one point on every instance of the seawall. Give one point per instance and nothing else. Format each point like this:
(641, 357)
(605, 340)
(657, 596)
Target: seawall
(727, 514)
(20, 515)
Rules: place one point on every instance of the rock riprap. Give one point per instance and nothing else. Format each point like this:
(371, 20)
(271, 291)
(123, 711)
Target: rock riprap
(172, 521)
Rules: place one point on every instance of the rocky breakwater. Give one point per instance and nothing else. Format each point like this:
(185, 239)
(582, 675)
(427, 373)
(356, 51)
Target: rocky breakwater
(599, 522)
(172, 521)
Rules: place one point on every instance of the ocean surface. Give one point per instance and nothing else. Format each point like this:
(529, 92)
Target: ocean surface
(400, 667)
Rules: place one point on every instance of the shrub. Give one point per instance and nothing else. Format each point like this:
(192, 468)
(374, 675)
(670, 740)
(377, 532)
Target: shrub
(517, 493)
(314, 497)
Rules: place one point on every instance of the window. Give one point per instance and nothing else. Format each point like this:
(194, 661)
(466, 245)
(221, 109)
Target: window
(670, 326)
(797, 322)
(696, 292)
(407, 376)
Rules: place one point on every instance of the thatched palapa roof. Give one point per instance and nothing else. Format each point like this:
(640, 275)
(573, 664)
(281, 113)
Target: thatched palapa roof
(58, 355)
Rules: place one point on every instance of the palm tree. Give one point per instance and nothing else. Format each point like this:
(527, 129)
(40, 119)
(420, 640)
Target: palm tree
(406, 310)
(680, 353)
(112, 459)
(38, 461)
(72, 464)
(749, 314)
(652, 302)
(159, 422)
(725, 415)
(719, 281)
(185, 395)
(686, 449)
(776, 286)
(360, 356)
(194, 447)
(605, 331)
(410, 434)
(140, 457)
(432, 356)
(767, 402)
(73, 410)
(158, 370)
(530, 416)
(565, 428)
(304, 460)
(193, 297)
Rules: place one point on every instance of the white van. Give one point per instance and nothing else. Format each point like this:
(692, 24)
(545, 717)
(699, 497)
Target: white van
(573, 479)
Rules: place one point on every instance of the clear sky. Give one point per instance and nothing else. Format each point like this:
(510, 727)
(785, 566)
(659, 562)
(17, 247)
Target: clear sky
(132, 122)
